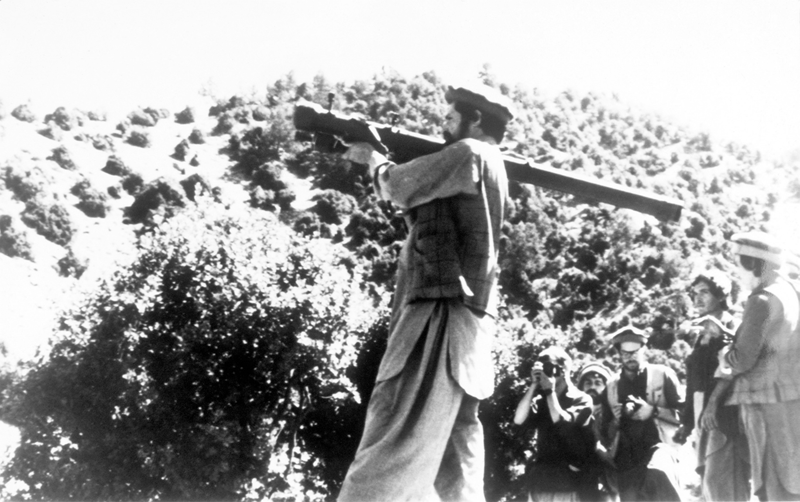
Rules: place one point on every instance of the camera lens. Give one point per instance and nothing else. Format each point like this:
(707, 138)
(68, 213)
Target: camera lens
(550, 369)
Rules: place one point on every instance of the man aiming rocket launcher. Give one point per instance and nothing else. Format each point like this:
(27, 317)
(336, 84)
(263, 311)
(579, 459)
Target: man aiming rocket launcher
(422, 437)
(331, 129)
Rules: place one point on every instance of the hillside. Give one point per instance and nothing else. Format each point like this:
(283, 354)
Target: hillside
(86, 197)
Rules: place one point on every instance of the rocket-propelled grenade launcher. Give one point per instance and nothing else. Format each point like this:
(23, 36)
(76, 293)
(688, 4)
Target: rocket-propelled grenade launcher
(330, 130)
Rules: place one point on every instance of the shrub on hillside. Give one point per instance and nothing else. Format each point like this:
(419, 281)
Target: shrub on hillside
(71, 266)
(197, 137)
(263, 199)
(224, 125)
(259, 145)
(23, 113)
(116, 166)
(223, 106)
(333, 206)
(52, 131)
(50, 220)
(181, 150)
(64, 119)
(25, 184)
(214, 367)
(185, 116)
(102, 142)
(92, 203)
(195, 185)
(13, 241)
(261, 113)
(269, 176)
(285, 197)
(161, 197)
(97, 116)
(145, 118)
(132, 183)
(346, 177)
(139, 138)
(62, 157)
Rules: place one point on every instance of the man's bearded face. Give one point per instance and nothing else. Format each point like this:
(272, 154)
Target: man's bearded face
(593, 384)
(632, 356)
(455, 127)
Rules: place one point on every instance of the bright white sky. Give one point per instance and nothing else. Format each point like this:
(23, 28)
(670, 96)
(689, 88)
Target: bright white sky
(729, 67)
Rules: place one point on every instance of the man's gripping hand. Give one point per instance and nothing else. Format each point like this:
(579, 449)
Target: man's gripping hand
(644, 409)
(365, 153)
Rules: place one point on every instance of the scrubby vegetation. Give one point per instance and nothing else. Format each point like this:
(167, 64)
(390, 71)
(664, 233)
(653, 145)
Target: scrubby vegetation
(13, 241)
(233, 358)
(49, 219)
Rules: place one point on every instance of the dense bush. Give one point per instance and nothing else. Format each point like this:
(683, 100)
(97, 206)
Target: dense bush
(71, 266)
(27, 184)
(160, 198)
(259, 145)
(181, 150)
(23, 113)
(49, 219)
(64, 119)
(13, 241)
(92, 203)
(147, 117)
(139, 138)
(116, 166)
(186, 116)
(62, 157)
(197, 137)
(213, 368)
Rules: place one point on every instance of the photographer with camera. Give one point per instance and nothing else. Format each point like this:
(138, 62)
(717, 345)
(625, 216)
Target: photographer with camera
(640, 418)
(561, 417)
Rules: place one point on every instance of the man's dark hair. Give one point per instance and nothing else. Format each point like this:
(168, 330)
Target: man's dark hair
(717, 289)
(752, 264)
(491, 125)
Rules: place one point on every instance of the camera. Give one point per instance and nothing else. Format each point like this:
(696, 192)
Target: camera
(550, 369)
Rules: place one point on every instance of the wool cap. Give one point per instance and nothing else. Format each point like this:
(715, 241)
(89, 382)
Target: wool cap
(482, 97)
(758, 245)
(628, 334)
(594, 368)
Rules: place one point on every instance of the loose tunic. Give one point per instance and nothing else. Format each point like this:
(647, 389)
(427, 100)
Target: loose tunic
(422, 439)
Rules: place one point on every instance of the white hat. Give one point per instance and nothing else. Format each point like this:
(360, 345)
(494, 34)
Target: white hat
(758, 245)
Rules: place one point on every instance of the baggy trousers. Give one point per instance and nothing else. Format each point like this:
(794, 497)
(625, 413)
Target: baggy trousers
(422, 438)
(774, 440)
(727, 470)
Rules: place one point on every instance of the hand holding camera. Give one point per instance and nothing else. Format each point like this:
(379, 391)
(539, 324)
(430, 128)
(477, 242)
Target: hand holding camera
(637, 408)
(544, 376)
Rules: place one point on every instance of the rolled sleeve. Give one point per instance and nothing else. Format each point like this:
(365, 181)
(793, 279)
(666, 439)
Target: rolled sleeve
(452, 171)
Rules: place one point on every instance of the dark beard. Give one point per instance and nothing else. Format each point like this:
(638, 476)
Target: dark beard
(594, 395)
(461, 133)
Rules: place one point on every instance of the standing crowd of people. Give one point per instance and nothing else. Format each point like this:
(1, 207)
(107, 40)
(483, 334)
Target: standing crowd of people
(607, 435)
(740, 406)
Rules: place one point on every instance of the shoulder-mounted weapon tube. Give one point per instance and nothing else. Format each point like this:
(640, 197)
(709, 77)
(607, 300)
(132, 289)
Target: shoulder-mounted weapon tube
(329, 129)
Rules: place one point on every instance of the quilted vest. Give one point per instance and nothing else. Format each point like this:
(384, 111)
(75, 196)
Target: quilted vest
(667, 421)
(454, 241)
